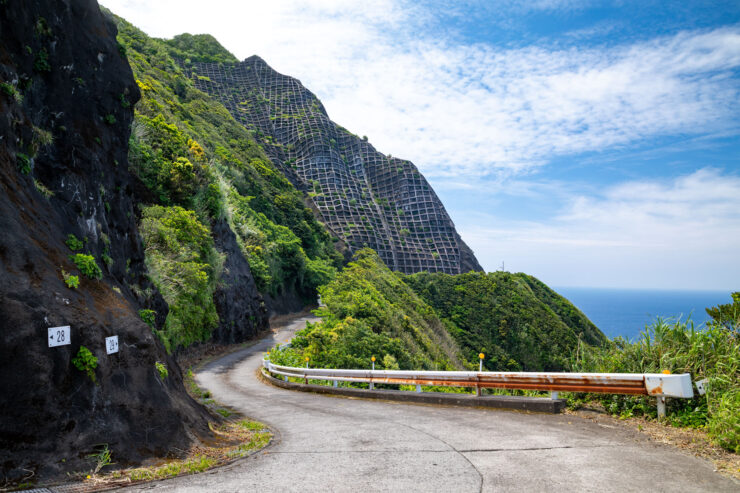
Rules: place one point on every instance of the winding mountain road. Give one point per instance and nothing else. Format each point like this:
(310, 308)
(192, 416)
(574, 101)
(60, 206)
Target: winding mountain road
(327, 443)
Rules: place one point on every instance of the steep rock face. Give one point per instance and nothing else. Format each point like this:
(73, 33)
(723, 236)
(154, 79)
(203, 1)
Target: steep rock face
(241, 309)
(365, 198)
(65, 110)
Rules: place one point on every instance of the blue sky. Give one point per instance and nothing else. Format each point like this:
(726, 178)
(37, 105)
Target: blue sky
(586, 143)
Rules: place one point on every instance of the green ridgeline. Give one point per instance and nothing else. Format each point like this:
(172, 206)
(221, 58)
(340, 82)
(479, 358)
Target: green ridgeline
(200, 166)
(514, 319)
(199, 48)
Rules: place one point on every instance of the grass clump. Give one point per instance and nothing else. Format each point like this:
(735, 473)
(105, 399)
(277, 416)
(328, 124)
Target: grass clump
(174, 468)
(43, 189)
(237, 439)
(102, 458)
(10, 90)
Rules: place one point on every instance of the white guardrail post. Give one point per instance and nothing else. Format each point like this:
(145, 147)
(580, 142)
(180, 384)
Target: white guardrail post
(657, 385)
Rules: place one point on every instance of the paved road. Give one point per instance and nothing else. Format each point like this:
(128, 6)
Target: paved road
(338, 444)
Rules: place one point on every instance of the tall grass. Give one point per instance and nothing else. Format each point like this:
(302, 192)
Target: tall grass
(706, 352)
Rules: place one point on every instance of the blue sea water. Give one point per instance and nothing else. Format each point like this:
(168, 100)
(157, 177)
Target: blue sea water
(625, 312)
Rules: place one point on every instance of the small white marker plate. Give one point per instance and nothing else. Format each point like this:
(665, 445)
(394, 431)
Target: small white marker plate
(59, 336)
(111, 344)
(701, 385)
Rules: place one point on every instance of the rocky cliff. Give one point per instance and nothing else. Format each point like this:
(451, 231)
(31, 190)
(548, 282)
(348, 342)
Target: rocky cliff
(364, 197)
(66, 97)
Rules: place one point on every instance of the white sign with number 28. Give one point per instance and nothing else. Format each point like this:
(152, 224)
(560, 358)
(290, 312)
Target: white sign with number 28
(59, 336)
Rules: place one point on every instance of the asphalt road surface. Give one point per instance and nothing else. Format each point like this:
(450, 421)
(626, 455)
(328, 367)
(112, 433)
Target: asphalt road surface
(325, 443)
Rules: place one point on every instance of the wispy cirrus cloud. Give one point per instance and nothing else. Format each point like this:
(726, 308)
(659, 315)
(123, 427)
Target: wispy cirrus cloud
(474, 110)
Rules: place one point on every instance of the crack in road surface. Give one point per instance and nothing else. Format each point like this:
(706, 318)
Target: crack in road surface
(346, 445)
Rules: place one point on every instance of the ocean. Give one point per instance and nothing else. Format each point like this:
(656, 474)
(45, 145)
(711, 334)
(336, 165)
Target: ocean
(625, 312)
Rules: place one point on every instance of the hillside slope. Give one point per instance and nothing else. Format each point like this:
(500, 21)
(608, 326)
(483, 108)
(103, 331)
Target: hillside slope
(440, 321)
(516, 320)
(366, 198)
(63, 171)
(263, 249)
(369, 312)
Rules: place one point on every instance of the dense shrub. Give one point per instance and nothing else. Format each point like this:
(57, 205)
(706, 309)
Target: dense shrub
(371, 312)
(73, 243)
(185, 267)
(711, 352)
(87, 265)
(518, 322)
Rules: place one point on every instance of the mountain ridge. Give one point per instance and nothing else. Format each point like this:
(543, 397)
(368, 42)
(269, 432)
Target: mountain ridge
(365, 198)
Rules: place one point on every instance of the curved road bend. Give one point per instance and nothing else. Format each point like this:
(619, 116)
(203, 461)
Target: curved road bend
(338, 444)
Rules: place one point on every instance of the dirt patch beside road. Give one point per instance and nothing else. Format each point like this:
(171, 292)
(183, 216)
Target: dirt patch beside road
(690, 440)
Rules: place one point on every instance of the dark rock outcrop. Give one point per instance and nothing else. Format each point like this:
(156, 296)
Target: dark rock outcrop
(65, 108)
(365, 198)
(241, 309)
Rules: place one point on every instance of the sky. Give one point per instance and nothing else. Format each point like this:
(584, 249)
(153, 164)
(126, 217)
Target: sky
(587, 143)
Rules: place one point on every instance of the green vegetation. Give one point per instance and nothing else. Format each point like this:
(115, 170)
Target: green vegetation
(148, 316)
(102, 458)
(185, 267)
(72, 282)
(73, 243)
(727, 315)
(191, 154)
(371, 312)
(196, 392)
(439, 321)
(43, 190)
(677, 346)
(199, 48)
(85, 361)
(514, 319)
(23, 162)
(87, 265)
(41, 62)
(243, 437)
(9, 89)
(175, 468)
(162, 370)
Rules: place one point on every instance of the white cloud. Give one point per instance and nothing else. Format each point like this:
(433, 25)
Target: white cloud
(679, 233)
(470, 110)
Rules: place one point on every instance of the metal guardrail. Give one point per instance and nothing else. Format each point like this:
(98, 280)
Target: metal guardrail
(659, 385)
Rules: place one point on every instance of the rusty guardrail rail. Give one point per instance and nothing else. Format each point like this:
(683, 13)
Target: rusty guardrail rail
(658, 385)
